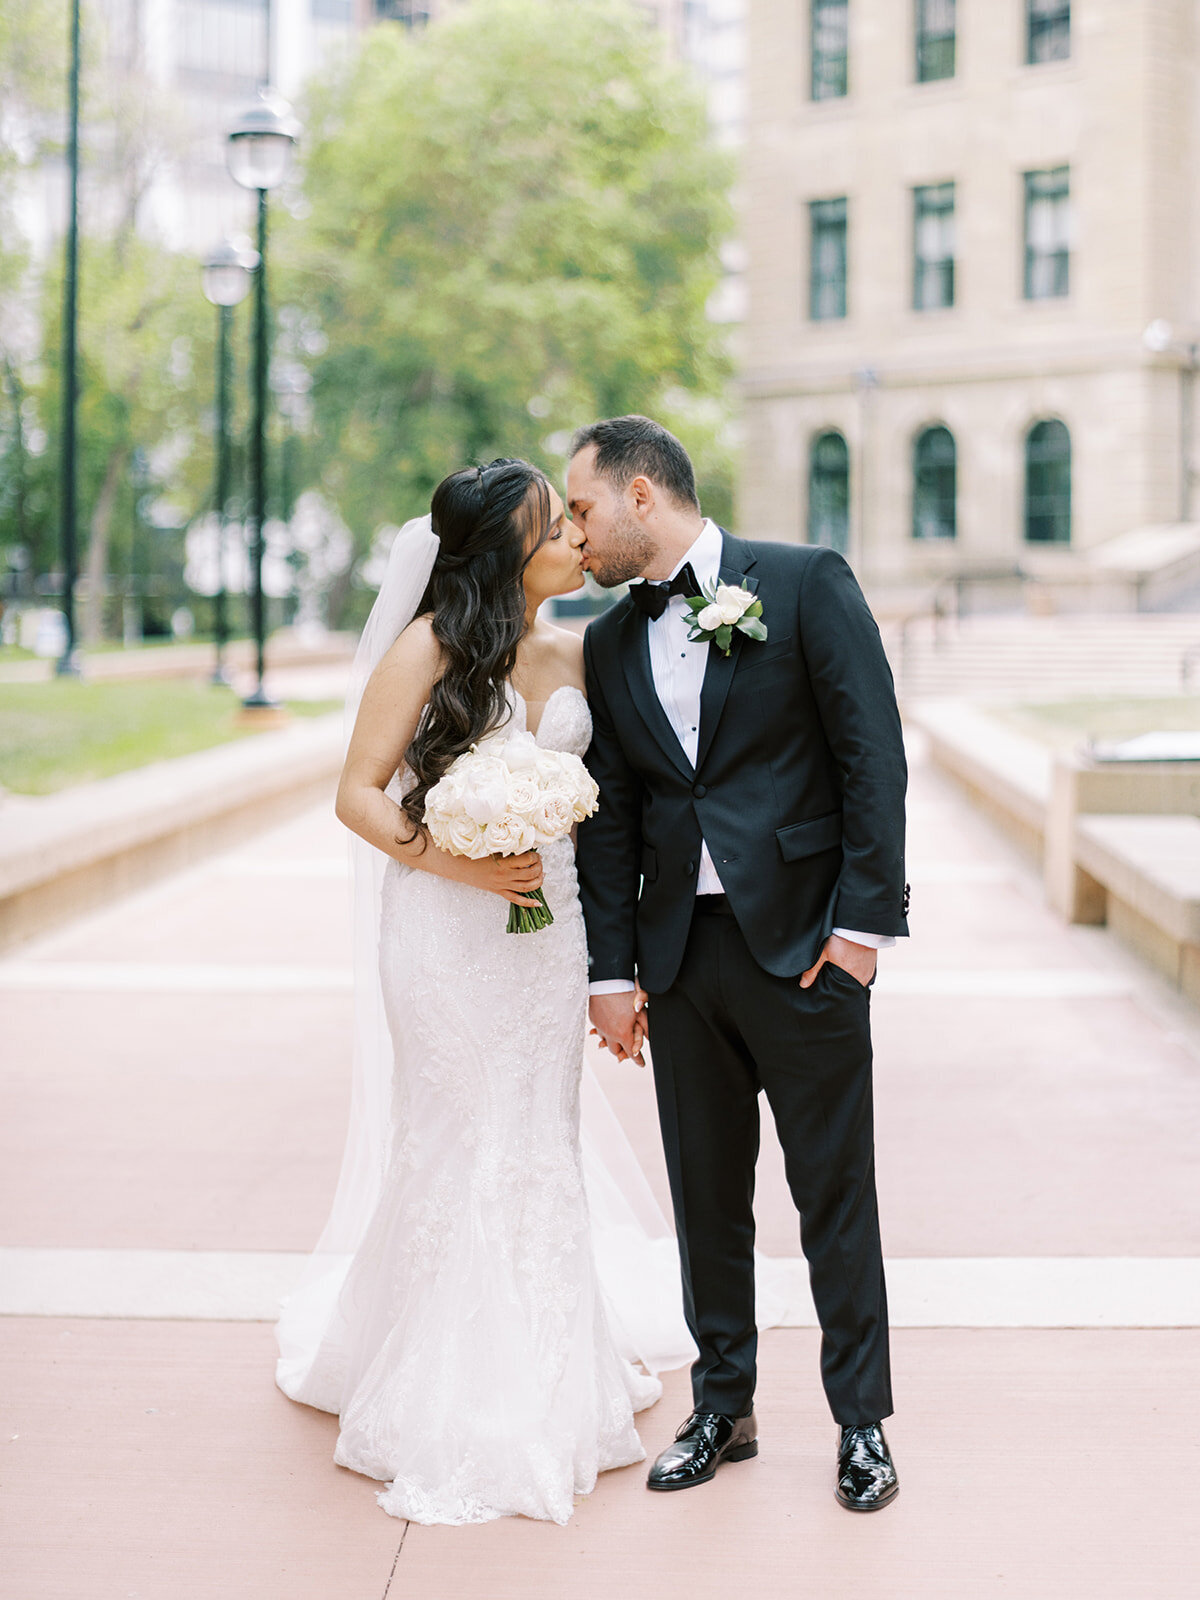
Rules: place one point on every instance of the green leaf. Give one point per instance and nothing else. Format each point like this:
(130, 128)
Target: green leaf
(724, 637)
(753, 629)
(755, 610)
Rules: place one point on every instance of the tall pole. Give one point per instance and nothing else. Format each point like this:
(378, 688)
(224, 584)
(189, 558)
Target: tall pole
(67, 663)
(258, 475)
(221, 490)
(1187, 382)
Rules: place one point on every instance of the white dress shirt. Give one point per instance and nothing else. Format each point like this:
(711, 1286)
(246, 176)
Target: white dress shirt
(677, 665)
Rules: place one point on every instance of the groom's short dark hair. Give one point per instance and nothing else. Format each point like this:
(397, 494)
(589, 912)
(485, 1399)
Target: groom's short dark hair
(631, 447)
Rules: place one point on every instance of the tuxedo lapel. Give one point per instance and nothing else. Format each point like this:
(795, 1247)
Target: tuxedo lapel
(736, 560)
(635, 658)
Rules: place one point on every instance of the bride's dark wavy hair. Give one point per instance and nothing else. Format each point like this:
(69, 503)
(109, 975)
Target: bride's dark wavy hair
(490, 522)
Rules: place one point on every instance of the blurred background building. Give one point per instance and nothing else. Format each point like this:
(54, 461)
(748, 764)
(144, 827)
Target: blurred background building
(191, 66)
(961, 221)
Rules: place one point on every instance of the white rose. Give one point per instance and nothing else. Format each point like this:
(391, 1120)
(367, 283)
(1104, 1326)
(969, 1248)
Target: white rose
(587, 794)
(509, 836)
(554, 816)
(462, 837)
(445, 799)
(524, 792)
(734, 602)
(485, 789)
(710, 619)
(521, 752)
(549, 765)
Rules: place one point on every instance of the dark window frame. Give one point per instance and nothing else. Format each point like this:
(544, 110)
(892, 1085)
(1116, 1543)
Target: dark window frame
(933, 278)
(829, 490)
(934, 484)
(1047, 498)
(1047, 273)
(935, 42)
(1047, 31)
(829, 49)
(828, 292)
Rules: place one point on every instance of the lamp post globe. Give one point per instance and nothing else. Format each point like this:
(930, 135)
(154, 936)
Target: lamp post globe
(261, 143)
(1158, 336)
(259, 151)
(225, 274)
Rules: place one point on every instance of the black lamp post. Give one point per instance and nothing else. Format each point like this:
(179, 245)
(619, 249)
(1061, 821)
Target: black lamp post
(259, 153)
(68, 662)
(226, 280)
(1161, 339)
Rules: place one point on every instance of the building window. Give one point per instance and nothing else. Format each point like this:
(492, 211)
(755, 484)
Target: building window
(935, 40)
(1048, 483)
(829, 492)
(830, 49)
(827, 259)
(933, 247)
(408, 13)
(220, 45)
(935, 484)
(1047, 30)
(1047, 233)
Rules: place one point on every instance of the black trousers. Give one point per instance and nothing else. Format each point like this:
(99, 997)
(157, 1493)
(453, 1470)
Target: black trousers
(725, 1030)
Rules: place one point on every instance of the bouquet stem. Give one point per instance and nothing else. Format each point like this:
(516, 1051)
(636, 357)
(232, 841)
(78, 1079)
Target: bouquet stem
(528, 919)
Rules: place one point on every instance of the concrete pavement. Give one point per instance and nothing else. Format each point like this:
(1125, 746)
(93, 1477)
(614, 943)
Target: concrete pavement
(173, 1099)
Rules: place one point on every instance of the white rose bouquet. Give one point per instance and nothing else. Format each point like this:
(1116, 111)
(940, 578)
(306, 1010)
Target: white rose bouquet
(505, 796)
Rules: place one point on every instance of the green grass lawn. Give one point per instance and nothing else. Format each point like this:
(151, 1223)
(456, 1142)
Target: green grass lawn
(1066, 724)
(56, 734)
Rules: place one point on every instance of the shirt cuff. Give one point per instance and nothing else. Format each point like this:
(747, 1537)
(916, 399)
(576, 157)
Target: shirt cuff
(873, 941)
(611, 986)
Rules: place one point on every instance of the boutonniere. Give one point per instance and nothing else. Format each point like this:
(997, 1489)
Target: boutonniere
(720, 609)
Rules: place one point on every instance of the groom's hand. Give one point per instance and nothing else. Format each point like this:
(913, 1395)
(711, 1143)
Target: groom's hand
(619, 1021)
(856, 959)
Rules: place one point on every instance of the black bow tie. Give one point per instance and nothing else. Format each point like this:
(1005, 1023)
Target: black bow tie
(652, 597)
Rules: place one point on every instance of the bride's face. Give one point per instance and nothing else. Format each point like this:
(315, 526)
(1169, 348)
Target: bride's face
(556, 566)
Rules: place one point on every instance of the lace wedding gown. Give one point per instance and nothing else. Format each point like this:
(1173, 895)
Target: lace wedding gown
(470, 1356)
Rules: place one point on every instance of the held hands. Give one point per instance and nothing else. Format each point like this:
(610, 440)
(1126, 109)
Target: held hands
(619, 1022)
(513, 878)
(856, 959)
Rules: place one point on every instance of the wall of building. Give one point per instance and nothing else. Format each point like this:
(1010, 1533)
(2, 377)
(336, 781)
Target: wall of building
(1121, 114)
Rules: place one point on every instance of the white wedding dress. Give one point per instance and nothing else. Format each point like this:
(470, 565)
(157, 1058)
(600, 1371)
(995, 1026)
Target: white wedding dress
(470, 1353)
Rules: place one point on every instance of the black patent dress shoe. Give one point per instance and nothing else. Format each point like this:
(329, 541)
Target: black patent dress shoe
(705, 1440)
(866, 1479)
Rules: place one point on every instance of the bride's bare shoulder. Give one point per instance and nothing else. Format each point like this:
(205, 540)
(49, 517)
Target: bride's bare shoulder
(567, 648)
(416, 653)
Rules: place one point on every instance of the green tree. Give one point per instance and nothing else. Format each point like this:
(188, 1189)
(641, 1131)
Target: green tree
(510, 226)
(145, 387)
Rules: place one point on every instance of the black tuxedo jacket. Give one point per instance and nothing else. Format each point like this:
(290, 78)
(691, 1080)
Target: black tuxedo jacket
(798, 787)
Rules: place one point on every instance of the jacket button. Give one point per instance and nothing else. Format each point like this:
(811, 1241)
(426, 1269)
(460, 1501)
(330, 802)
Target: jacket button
(699, 790)
(690, 868)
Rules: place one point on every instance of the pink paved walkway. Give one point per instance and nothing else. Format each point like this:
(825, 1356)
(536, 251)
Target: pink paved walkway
(146, 1459)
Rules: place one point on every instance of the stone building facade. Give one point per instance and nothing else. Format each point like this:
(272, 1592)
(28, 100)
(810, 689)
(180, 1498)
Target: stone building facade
(960, 220)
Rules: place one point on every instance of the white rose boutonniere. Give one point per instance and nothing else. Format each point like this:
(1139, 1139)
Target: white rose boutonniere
(720, 609)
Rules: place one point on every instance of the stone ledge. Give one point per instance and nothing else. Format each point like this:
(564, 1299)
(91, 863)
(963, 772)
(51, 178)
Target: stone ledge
(1006, 775)
(1118, 844)
(66, 853)
(1151, 864)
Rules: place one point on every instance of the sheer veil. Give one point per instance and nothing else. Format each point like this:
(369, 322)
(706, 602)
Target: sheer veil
(634, 1244)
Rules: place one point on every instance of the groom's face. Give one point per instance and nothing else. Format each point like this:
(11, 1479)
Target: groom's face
(616, 544)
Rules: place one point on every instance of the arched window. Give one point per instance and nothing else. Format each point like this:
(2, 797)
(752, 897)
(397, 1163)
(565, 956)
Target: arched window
(1048, 483)
(935, 484)
(829, 492)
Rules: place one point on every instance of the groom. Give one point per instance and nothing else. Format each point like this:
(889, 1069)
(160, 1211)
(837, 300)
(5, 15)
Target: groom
(745, 865)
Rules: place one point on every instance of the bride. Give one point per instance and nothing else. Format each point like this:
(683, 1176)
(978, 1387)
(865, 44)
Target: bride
(453, 1316)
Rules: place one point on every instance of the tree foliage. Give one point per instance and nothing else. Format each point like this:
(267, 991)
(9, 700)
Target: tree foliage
(510, 227)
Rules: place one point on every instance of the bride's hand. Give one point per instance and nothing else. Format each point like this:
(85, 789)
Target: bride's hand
(513, 878)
